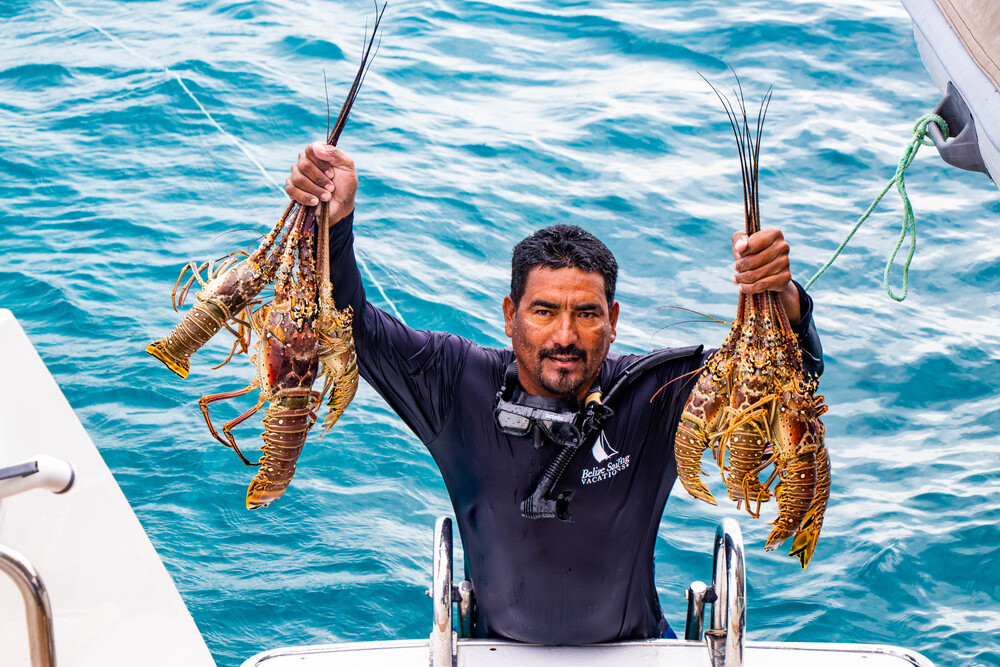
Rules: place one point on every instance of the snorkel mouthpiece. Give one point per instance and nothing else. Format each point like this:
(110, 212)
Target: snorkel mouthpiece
(540, 506)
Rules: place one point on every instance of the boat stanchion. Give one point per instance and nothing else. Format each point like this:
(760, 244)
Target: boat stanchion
(443, 642)
(726, 637)
(57, 476)
(697, 595)
(466, 599)
(37, 609)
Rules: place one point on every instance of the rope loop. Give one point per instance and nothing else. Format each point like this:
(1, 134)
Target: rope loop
(919, 139)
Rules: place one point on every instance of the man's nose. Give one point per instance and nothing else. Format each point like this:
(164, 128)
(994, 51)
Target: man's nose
(566, 333)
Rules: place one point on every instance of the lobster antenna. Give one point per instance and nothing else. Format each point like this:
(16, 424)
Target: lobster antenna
(691, 375)
(750, 187)
(708, 318)
(731, 114)
(752, 148)
(306, 265)
(326, 91)
(748, 146)
(761, 115)
(378, 46)
(743, 152)
(345, 111)
(748, 165)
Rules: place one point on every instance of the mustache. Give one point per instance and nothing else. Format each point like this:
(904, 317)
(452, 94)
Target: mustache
(563, 351)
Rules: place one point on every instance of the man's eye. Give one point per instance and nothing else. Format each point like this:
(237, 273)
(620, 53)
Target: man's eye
(588, 314)
(542, 311)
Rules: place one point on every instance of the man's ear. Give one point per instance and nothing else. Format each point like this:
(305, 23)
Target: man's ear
(508, 316)
(613, 318)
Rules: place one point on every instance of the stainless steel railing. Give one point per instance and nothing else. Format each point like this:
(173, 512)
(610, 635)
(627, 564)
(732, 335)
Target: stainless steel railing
(726, 638)
(444, 637)
(57, 476)
(41, 640)
(443, 645)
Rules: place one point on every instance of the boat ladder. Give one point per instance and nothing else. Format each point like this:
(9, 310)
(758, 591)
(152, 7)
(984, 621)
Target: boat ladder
(725, 638)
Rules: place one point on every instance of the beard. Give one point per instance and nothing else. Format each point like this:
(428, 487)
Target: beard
(560, 382)
(565, 382)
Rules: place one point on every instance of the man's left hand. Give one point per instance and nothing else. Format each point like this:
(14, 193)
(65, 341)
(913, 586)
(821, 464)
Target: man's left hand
(762, 265)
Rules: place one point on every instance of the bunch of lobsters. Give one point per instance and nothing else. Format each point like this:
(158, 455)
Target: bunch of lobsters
(301, 335)
(753, 406)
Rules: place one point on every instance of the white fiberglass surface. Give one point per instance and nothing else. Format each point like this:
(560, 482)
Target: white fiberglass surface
(113, 601)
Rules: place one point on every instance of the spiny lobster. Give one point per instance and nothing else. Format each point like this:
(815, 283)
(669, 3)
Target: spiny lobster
(752, 404)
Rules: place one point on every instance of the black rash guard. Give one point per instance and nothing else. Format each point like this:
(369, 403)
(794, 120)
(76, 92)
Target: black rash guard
(536, 580)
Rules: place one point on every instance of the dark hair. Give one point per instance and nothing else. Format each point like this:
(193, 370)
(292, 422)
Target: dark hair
(560, 247)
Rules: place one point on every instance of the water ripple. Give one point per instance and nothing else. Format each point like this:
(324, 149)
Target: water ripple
(480, 122)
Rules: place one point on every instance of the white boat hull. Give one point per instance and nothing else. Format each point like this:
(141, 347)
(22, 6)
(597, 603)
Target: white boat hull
(654, 653)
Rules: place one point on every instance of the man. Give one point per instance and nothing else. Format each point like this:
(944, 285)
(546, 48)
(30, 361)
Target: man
(559, 549)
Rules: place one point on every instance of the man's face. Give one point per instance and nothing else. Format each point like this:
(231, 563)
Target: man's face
(560, 331)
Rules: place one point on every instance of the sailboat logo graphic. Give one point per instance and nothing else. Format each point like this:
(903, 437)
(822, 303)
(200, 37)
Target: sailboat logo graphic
(602, 449)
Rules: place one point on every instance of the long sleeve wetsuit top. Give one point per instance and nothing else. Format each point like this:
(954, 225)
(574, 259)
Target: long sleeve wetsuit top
(544, 581)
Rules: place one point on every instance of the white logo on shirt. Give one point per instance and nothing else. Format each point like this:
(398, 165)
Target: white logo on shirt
(602, 451)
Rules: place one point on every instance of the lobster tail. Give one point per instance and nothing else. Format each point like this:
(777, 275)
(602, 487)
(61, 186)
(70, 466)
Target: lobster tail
(689, 446)
(198, 325)
(795, 496)
(286, 426)
(224, 296)
(702, 415)
(807, 536)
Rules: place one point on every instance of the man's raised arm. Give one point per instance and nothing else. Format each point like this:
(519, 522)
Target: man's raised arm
(414, 371)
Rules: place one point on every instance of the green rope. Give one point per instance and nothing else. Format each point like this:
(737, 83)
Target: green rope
(909, 224)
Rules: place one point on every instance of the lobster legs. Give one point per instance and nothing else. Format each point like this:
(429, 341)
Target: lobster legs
(204, 402)
(287, 421)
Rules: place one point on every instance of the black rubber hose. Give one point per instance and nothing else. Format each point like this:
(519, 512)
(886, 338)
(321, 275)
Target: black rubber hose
(539, 505)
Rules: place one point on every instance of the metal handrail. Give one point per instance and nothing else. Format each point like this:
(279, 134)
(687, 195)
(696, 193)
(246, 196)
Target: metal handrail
(727, 638)
(41, 640)
(442, 640)
(57, 476)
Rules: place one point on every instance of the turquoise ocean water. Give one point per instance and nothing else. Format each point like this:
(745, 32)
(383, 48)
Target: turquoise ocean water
(480, 122)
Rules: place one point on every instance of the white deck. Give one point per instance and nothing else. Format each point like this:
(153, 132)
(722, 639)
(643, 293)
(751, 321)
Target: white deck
(658, 653)
(112, 599)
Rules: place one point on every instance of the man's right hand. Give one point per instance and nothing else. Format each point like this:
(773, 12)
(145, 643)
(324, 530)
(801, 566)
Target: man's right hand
(324, 173)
